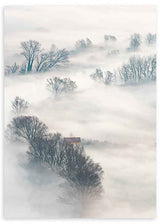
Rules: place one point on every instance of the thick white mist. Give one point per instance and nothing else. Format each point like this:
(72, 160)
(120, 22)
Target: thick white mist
(123, 116)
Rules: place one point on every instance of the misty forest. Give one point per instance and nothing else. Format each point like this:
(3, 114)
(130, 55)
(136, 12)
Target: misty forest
(80, 108)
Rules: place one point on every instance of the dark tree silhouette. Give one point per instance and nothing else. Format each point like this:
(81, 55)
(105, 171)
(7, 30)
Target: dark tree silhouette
(83, 176)
(37, 59)
(27, 127)
(58, 86)
(80, 170)
(46, 61)
(19, 105)
(49, 149)
(31, 49)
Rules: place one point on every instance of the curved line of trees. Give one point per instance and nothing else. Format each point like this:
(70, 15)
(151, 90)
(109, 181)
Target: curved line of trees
(81, 173)
(38, 60)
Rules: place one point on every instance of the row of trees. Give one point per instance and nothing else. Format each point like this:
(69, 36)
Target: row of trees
(135, 41)
(100, 76)
(82, 174)
(137, 70)
(37, 59)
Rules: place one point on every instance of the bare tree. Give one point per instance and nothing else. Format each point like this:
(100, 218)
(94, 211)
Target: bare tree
(104, 77)
(49, 149)
(150, 38)
(138, 70)
(97, 75)
(46, 61)
(58, 86)
(27, 127)
(31, 49)
(83, 44)
(109, 78)
(19, 105)
(11, 68)
(135, 41)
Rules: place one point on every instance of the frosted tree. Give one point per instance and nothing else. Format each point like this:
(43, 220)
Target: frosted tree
(31, 49)
(135, 41)
(46, 61)
(60, 85)
(150, 38)
(97, 75)
(19, 105)
(109, 78)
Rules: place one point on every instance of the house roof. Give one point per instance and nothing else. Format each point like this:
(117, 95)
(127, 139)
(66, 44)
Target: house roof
(73, 139)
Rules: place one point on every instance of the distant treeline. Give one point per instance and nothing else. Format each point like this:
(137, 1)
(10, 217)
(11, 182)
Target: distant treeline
(36, 59)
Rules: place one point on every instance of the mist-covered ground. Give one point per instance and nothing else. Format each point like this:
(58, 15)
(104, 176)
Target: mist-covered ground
(124, 117)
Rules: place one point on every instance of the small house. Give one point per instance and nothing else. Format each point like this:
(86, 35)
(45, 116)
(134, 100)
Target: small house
(73, 140)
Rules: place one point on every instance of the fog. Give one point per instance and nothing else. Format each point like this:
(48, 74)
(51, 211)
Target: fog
(124, 117)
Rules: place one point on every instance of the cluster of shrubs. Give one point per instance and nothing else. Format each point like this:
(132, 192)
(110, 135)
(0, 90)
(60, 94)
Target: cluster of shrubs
(137, 70)
(70, 162)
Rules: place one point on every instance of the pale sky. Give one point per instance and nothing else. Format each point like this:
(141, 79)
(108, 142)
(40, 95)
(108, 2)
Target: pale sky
(63, 25)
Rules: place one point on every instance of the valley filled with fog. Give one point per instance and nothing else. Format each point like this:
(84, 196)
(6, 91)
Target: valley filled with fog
(114, 116)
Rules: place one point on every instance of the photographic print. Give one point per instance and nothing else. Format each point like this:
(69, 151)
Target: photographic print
(80, 111)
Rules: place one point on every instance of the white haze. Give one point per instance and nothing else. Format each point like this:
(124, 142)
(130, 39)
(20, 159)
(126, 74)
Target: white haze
(122, 116)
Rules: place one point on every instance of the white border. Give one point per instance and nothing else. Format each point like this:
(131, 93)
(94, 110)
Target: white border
(59, 2)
